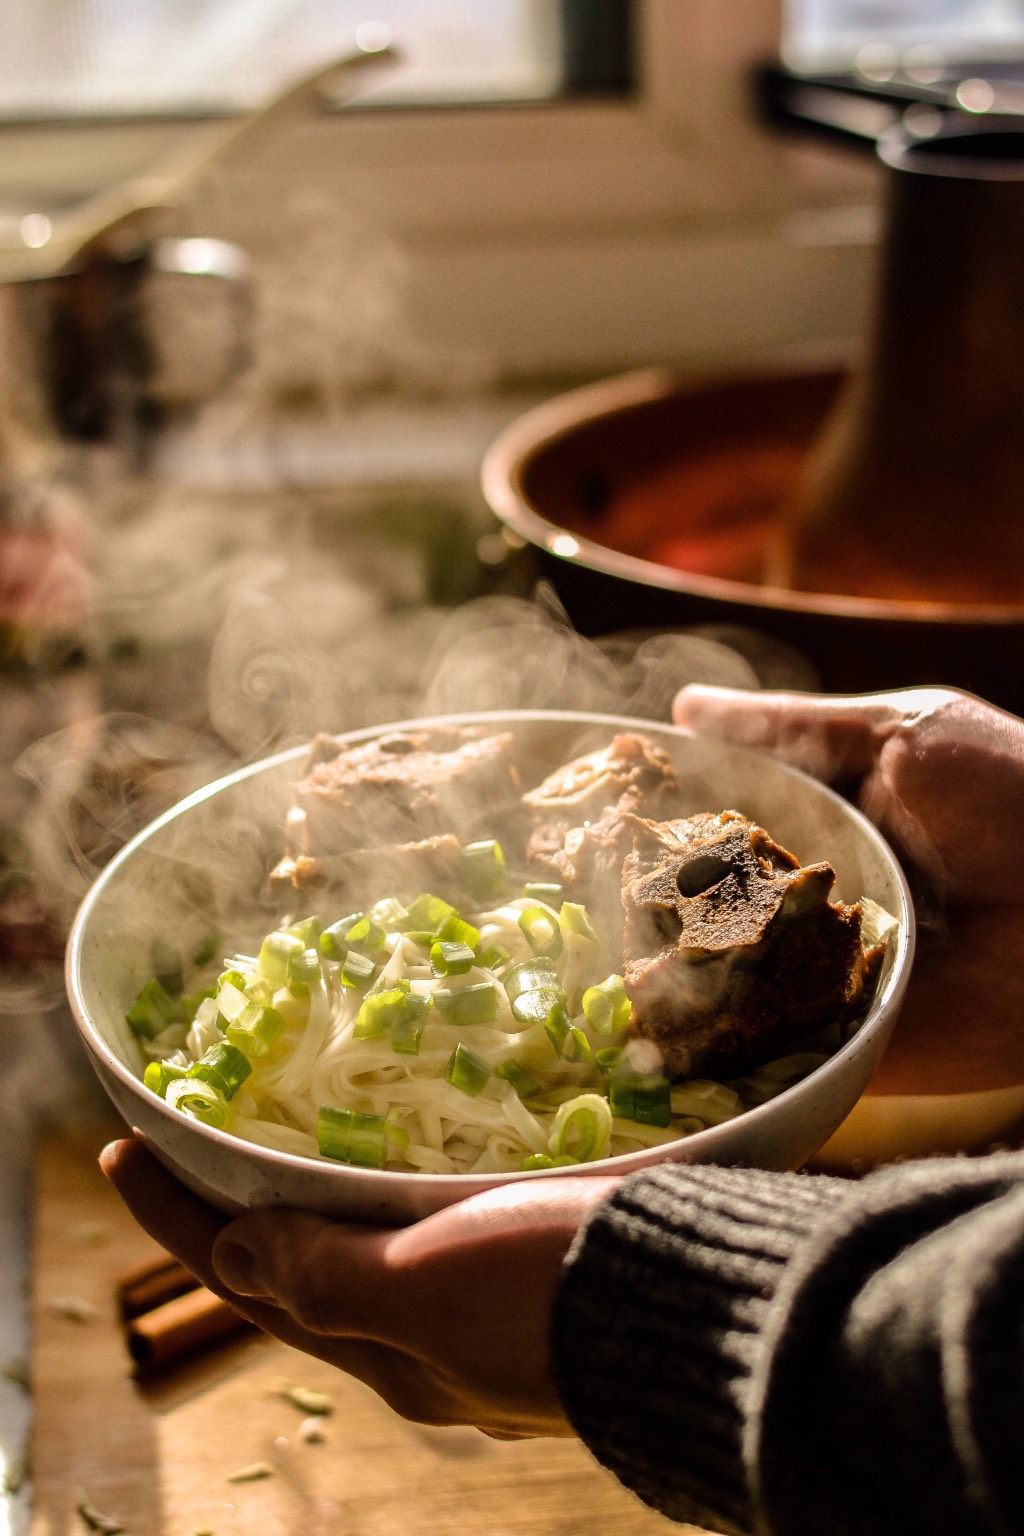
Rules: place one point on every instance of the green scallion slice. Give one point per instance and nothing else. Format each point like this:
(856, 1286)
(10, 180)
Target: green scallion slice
(190, 1002)
(276, 953)
(303, 972)
(484, 871)
(454, 929)
(382, 1010)
(641, 1096)
(256, 1030)
(357, 970)
(334, 942)
(581, 1129)
(153, 1010)
(450, 958)
(542, 931)
(159, 1074)
(427, 913)
(606, 1007)
(558, 1027)
(200, 1100)
(573, 918)
(536, 1160)
(224, 1067)
(533, 990)
(467, 1071)
(525, 1085)
(407, 1030)
(366, 935)
(477, 1004)
(350, 1137)
(491, 957)
(308, 929)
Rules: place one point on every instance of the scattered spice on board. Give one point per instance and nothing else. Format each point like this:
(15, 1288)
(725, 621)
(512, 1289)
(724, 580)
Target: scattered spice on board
(75, 1308)
(96, 1520)
(306, 1399)
(252, 1473)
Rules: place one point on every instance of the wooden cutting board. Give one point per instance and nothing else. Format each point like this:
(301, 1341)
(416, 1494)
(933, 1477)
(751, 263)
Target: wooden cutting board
(157, 1459)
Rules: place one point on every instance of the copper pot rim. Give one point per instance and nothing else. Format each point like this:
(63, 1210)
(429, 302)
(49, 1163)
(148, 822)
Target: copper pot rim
(509, 456)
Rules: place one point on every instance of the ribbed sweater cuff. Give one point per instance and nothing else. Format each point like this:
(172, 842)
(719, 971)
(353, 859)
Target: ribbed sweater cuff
(659, 1391)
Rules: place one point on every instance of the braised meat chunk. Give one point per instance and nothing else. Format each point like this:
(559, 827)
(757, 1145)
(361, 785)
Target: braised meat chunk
(405, 796)
(583, 812)
(733, 950)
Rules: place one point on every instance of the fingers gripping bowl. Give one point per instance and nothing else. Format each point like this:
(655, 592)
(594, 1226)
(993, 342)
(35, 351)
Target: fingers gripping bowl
(205, 867)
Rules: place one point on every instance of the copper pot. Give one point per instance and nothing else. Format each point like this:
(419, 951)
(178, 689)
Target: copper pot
(589, 479)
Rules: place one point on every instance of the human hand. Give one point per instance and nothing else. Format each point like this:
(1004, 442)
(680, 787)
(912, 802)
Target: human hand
(941, 773)
(447, 1320)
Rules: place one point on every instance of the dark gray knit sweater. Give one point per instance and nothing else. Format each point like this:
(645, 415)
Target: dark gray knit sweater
(806, 1356)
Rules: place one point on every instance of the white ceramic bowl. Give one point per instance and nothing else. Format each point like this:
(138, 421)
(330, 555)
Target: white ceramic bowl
(206, 860)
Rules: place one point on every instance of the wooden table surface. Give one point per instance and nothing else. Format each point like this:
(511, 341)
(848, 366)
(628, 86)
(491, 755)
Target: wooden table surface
(157, 1459)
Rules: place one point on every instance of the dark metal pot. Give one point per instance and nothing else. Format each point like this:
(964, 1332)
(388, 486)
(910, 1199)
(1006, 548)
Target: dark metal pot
(559, 477)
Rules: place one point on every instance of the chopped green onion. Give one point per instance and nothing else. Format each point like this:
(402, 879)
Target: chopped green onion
(641, 1096)
(606, 1007)
(308, 929)
(382, 1010)
(524, 1085)
(206, 948)
(200, 1100)
(276, 952)
(233, 978)
(573, 918)
(450, 959)
(366, 935)
(491, 957)
(190, 1002)
(356, 969)
(579, 1050)
(407, 1030)
(303, 972)
(427, 913)
(581, 1129)
(333, 942)
(477, 1004)
(389, 913)
(159, 1073)
(455, 930)
(224, 1067)
(256, 1030)
(166, 964)
(350, 1137)
(558, 1026)
(467, 1071)
(231, 1003)
(536, 1160)
(483, 869)
(548, 891)
(542, 931)
(153, 1010)
(533, 990)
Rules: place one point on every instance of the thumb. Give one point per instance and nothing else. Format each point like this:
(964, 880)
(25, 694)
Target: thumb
(829, 737)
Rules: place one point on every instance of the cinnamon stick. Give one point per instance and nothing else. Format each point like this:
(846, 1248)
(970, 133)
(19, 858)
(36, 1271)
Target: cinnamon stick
(140, 1290)
(178, 1327)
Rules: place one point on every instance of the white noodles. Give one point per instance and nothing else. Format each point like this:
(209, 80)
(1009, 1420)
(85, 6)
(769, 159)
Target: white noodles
(433, 1125)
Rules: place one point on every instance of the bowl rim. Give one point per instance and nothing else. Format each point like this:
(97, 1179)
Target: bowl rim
(541, 427)
(885, 1001)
